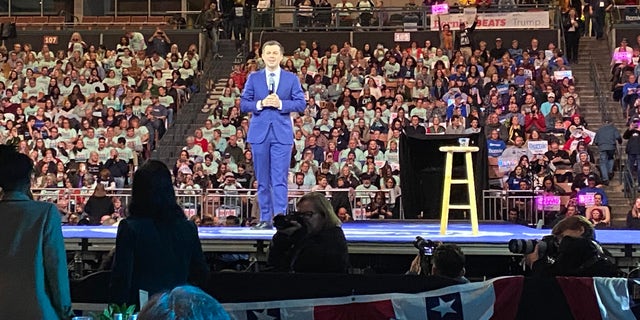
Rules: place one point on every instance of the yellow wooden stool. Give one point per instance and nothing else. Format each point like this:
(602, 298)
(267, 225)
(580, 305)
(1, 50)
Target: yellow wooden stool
(448, 181)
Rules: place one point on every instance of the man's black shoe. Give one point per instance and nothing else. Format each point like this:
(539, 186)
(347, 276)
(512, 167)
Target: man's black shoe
(263, 225)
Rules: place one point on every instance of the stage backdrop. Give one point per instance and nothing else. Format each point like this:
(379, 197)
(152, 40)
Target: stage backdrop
(422, 173)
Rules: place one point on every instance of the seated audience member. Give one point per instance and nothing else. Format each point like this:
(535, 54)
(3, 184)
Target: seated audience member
(98, 205)
(578, 252)
(435, 126)
(182, 303)
(591, 190)
(495, 145)
(316, 245)
(570, 210)
(515, 177)
(415, 128)
(633, 217)
(378, 208)
(598, 219)
(516, 217)
(604, 218)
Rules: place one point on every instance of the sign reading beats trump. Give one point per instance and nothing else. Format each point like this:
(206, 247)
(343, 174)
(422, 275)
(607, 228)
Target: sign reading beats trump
(501, 20)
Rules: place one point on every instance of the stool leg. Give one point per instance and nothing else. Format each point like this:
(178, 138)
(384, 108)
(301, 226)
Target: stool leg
(446, 193)
(472, 194)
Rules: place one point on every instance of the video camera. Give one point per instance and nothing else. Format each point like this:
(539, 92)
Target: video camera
(425, 247)
(548, 246)
(282, 221)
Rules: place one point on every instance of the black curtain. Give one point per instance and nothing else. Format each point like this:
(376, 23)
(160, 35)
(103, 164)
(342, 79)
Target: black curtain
(422, 173)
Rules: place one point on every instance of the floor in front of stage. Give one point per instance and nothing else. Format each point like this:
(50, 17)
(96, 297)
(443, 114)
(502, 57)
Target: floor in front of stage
(385, 232)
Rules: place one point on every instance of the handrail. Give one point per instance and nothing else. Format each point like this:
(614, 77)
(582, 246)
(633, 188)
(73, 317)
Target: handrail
(629, 187)
(601, 96)
(625, 14)
(387, 18)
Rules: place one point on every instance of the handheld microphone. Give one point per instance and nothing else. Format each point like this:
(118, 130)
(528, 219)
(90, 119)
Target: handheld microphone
(272, 85)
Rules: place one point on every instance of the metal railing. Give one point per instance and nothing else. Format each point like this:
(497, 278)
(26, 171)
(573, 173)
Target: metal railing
(625, 14)
(218, 203)
(627, 179)
(532, 206)
(417, 18)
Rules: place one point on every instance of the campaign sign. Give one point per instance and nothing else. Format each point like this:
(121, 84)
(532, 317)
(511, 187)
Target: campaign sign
(507, 164)
(538, 147)
(586, 199)
(440, 8)
(561, 74)
(548, 54)
(622, 56)
(503, 88)
(547, 203)
(359, 214)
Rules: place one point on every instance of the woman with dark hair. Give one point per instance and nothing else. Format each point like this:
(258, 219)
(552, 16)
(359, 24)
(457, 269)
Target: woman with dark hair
(378, 208)
(313, 242)
(157, 248)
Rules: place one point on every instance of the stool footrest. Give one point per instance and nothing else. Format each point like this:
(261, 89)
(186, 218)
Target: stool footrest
(459, 181)
(459, 206)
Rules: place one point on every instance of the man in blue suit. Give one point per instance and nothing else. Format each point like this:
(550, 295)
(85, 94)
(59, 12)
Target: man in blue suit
(271, 95)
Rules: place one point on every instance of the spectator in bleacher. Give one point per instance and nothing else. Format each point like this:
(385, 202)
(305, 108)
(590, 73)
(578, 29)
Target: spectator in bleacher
(632, 134)
(98, 205)
(598, 213)
(159, 43)
(633, 216)
(629, 94)
(514, 178)
(455, 127)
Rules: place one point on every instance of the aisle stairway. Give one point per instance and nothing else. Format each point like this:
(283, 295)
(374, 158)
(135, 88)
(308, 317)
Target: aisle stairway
(191, 117)
(598, 52)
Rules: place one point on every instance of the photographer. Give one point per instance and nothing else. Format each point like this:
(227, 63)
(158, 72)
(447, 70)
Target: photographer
(309, 240)
(447, 261)
(574, 252)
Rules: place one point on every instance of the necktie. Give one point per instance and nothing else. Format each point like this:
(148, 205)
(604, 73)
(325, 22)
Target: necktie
(272, 83)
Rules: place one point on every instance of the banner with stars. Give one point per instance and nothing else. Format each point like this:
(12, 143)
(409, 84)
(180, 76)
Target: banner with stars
(493, 299)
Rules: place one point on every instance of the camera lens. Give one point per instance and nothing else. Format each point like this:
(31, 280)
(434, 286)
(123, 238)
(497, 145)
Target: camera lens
(522, 246)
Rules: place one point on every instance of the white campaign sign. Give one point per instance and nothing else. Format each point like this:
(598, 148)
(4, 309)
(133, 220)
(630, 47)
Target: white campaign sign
(498, 20)
(538, 147)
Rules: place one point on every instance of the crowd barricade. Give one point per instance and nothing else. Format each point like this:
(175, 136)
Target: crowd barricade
(218, 203)
(72, 200)
(532, 206)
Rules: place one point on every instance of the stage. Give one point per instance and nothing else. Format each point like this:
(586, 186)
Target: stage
(368, 237)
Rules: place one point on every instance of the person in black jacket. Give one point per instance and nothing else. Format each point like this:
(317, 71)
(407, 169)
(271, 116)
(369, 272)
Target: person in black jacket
(578, 254)
(464, 39)
(118, 168)
(571, 26)
(633, 145)
(316, 245)
(98, 205)
(157, 248)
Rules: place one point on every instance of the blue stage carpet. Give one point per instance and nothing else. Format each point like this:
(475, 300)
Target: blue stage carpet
(384, 232)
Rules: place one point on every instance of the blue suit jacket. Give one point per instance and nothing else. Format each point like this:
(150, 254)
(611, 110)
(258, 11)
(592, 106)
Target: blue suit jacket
(290, 93)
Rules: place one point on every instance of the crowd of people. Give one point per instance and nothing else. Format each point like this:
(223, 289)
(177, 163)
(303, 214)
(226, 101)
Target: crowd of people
(88, 115)
(360, 100)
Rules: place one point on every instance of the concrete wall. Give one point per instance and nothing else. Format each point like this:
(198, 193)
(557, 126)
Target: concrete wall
(107, 37)
(290, 40)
